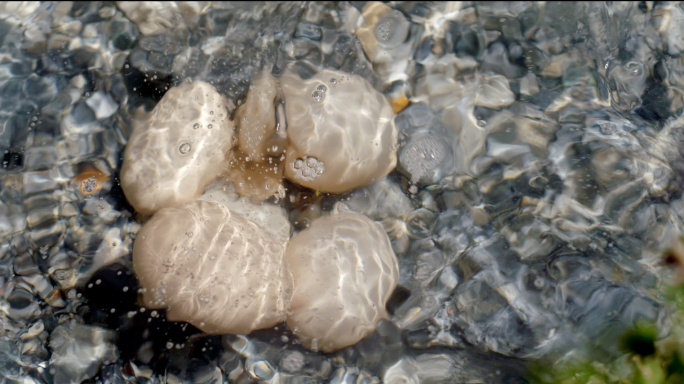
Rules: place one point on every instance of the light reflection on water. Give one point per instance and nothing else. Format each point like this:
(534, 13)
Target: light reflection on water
(539, 178)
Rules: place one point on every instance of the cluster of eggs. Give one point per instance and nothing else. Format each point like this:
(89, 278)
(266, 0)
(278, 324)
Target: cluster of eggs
(215, 254)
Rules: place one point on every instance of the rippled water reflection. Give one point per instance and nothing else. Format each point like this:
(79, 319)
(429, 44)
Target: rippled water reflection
(538, 178)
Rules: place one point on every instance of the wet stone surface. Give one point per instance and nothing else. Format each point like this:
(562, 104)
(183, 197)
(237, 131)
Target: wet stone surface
(539, 175)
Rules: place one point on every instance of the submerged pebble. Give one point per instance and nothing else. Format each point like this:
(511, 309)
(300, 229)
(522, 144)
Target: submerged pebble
(78, 351)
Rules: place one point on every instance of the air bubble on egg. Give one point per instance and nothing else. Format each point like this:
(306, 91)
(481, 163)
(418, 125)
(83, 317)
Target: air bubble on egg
(184, 148)
(344, 271)
(350, 132)
(228, 276)
(308, 169)
(167, 161)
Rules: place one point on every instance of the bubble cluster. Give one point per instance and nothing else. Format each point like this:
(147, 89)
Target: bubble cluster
(308, 168)
(89, 184)
(423, 156)
(384, 29)
(90, 181)
(320, 91)
(293, 362)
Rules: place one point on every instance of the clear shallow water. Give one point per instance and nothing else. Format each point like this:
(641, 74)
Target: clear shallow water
(539, 178)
